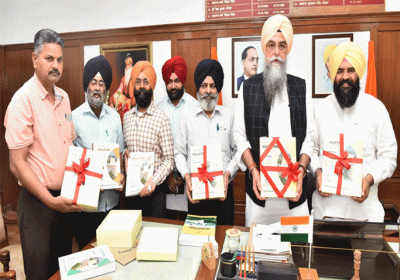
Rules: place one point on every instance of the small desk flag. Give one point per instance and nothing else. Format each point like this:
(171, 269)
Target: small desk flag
(297, 229)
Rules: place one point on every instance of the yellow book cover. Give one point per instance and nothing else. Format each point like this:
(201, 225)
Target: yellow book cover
(197, 230)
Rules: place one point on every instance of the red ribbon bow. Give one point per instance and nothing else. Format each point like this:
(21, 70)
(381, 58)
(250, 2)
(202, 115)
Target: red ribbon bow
(342, 161)
(203, 174)
(290, 171)
(81, 170)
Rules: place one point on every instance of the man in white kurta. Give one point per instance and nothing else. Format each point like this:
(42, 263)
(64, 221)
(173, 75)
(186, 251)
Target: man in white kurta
(357, 115)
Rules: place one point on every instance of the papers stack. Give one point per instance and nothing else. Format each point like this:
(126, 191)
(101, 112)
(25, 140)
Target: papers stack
(198, 230)
(87, 264)
(267, 243)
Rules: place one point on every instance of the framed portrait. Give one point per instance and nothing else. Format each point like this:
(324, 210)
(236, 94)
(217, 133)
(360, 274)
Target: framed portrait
(246, 57)
(121, 58)
(322, 85)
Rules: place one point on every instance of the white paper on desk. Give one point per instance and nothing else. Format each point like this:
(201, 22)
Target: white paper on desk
(267, 239)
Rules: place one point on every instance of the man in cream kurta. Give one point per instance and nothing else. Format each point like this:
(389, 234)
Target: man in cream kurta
(355, 114)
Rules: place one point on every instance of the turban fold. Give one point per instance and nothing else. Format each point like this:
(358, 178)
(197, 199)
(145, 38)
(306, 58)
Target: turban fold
(272, 25)
(98, 64)
(175, 65)
(209, 67)
(328, 51)
(148, 69)
(350, 51)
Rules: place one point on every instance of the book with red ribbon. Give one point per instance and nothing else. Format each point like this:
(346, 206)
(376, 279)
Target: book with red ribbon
(278, 166)
(82, 177)
(206, 171)
(342, 167)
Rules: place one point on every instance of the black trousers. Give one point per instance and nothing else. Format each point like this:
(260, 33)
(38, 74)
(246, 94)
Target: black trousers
(224, 210)
(154, 205)
(45, 236)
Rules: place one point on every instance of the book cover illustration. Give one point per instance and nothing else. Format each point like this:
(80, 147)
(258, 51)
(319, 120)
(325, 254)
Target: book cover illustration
(112, 165)
(140, 169)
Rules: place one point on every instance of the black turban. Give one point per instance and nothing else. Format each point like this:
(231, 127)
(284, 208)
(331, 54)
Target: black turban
(209, 67)
(94, 66)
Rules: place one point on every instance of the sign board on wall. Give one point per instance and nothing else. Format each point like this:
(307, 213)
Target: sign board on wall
(233, 9)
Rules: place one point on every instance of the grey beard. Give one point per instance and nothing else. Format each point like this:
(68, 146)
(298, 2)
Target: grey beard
(205, 104)
(95, 103)
(275, 78)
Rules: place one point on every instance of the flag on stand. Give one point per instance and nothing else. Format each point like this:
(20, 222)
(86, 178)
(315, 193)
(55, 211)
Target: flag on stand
(297, 229)
(370, 85)
(214, 56)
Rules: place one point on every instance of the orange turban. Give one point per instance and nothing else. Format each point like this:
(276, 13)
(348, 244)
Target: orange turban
(175, 65)
(272, 25)
(148, 69)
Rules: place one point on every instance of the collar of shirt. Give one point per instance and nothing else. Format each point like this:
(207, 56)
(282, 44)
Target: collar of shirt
(43, 92)
(88, 110)
(199, 110)
(150, 109)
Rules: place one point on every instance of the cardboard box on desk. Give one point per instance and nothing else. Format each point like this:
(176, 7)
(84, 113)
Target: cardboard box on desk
(82, 177)
(342, 167)
(206, 171)
(112, 169)
(120, 228)
(277, 158)
(158, 244)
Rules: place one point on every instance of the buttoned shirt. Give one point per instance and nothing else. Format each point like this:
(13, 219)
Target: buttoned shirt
(34, 120)
(196, 128)
(106, 129)
(369, 121)
(150, 131)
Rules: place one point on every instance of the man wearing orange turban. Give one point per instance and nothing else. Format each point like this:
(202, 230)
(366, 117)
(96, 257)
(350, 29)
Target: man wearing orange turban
(359, 117)
(174, 73)
(148, 129)
(272, 104)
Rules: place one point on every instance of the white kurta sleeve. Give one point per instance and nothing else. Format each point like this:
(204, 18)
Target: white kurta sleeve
(181, 147)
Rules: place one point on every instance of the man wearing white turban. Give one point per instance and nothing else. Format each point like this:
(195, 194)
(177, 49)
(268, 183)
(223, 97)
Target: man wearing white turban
(358, 116)
(272, 104)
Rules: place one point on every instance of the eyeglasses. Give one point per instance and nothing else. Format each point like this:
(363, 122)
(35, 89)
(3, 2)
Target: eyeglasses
(138, 82)
(282, 47)
(94, 83)
(252, 59)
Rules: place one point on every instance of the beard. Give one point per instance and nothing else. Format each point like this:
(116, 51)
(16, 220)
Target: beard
(127, 76)
(175, 94)
(143, 97)
(274, 77)
(346, 97)
(95, 102)
(207, 104)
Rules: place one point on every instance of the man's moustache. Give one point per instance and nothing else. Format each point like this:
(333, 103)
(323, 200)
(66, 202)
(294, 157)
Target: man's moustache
(54, 71)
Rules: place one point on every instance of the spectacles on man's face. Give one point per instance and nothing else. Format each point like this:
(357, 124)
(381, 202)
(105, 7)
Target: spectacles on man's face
(252, 59)
(95, 82)
(281, 46)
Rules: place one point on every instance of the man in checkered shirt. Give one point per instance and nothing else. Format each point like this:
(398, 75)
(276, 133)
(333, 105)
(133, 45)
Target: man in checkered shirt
(148, 129)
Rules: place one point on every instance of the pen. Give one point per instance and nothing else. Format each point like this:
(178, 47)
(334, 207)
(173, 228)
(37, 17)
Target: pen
(217, 126)
(107, 132)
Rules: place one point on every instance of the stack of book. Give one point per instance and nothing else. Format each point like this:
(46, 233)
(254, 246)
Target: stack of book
(198, 230)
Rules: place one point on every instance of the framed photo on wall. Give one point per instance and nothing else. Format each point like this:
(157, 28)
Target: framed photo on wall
(121, 58)
(322, 85)
(247, 61)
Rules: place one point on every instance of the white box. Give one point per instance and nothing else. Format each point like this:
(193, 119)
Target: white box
(158, 244)
(120, 228)
(140, 169)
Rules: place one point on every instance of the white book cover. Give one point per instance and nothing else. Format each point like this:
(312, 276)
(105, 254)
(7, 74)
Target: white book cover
(87, 264)
(89, 191)
(350, 183)
(158, 244)
(213, 158)
(112, 165)
(140, 169)
(279, 186)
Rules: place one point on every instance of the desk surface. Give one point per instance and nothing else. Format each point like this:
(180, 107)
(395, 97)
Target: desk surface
(204, 272)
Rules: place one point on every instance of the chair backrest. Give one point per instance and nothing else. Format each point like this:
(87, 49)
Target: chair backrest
(3, 233)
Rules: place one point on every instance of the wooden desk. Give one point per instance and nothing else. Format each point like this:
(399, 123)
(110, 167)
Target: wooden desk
(204, 272)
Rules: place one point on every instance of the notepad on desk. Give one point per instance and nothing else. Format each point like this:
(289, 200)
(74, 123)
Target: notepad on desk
(158, 244)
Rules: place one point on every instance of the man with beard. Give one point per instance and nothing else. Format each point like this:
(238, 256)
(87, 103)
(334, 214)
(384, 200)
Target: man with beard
(208, 123)
(95, 122)
(174, 73)
(360, 116)
(147, 129)
(250, 65)
(273, 104)
(39, 132)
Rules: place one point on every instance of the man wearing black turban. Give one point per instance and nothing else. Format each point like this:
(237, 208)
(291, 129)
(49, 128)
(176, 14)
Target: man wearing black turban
(96, 122)
(203, 125)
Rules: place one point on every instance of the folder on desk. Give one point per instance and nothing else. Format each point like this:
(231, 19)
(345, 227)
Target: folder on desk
(158, 244)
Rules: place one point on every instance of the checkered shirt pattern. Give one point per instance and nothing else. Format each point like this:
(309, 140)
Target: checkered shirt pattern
(151, 132)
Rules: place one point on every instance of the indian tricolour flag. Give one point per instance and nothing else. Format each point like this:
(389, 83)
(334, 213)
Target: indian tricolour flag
(297, 229)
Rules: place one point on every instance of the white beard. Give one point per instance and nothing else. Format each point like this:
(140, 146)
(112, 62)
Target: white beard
(274, 77)
(127, 76)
